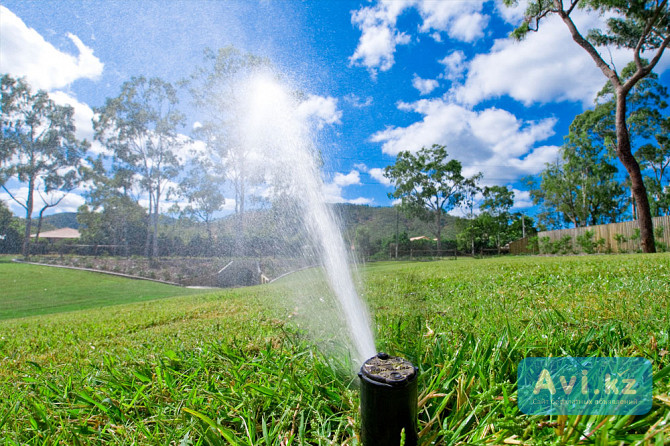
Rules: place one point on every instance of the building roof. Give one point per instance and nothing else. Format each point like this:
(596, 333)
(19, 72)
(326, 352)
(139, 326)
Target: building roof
(60, 234)
(422, 237)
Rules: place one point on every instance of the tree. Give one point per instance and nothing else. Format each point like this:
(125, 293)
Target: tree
(140, 127)
(427, 184)
(581, 189)
(215, 89)
(498, 200)
(111, 215)
(657, 158)
(38, 147)
(642, 26)
(10, 239)
(202, 188)
(471, 190)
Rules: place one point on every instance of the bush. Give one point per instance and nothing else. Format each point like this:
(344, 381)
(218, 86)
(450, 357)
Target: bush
(586, 242)
(564, 245)
(620, 240)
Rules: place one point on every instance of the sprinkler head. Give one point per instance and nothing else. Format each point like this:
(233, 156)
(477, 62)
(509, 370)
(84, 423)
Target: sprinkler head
(388, 401)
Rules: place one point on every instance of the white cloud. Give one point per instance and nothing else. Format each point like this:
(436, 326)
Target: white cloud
(350, 179)
(425, 86)
(323, 109)
(461, 20)
(333, 191)
(26, 53)
(492, 141)
(522, 199)
(547, 66)
(454, 65)
(379, 36)
(378, 174)
(83, 115)
(357, 101)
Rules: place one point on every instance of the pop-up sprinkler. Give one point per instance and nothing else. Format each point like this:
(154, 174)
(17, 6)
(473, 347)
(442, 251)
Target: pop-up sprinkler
(388, 401)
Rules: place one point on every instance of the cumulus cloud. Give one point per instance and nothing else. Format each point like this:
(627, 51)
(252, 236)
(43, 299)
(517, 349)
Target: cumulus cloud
(425, 86)
(378, 174)
(26, 53)
(492, 141)
(454, 65)
(83, 114)
(333, 190)
(547, 66)
(460, 20)
(322, 109)
(379, 36)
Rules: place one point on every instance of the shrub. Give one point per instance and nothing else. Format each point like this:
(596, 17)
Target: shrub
(586, 242)
(620, 240)
(534, 244)
(564, 245)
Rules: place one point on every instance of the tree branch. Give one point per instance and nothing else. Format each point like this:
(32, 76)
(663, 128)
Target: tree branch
(590, 49)
(24, 206)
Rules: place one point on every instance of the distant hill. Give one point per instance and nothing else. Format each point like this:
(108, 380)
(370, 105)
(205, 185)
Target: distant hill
(62, 220)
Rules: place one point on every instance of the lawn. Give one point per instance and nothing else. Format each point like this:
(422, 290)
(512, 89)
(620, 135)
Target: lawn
(28, 290)
(267, 365)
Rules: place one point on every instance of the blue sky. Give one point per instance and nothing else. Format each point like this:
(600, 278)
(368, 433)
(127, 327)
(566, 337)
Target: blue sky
(382, 76)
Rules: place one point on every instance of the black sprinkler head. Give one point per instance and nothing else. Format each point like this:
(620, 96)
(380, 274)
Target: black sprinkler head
(388, 401)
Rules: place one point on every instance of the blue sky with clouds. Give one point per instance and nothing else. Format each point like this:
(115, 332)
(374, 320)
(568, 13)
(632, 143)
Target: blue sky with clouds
(381, 76)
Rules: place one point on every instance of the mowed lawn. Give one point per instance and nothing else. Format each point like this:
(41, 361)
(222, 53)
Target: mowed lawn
(268, 364)
(28, 290)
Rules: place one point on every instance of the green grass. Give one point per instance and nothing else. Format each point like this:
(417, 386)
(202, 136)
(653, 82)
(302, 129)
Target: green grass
(256, 366)
(28, 290)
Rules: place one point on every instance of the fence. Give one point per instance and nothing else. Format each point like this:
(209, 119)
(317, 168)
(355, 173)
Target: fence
(617, 237)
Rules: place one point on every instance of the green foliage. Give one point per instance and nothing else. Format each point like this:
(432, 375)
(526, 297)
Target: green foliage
(236, 367)
(139, 127)
(38, 147)
(581, 189)
(427, 184)
(586, 242)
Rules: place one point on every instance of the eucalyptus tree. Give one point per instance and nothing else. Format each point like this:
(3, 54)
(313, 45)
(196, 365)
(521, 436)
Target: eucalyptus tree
(428, 184)
(497, 203)
(140, 127)
(38, 148)
(217, 88)
(642, 26)
(201, 186)
(580, 188)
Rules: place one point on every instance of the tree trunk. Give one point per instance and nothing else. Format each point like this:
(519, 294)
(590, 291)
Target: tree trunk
(29, 213)
(638, 189)
(439, 231)
(154, 244)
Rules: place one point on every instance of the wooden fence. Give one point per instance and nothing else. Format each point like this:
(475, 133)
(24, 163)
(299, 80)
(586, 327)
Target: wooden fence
(618, 237)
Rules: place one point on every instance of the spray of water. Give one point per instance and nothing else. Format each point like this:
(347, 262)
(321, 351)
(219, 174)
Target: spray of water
(277, 132)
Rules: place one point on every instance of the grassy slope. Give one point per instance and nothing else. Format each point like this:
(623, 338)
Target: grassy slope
(28, 290)
(235, 367)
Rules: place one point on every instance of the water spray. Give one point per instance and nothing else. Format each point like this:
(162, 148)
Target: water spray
(388, 401)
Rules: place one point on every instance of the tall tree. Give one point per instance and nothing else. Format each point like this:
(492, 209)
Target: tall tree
(140, 128)
(643, 26)
(216, 90)
(581, 188)
(428, 184)
(498, 200)
(201, 186)
(38, 147)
